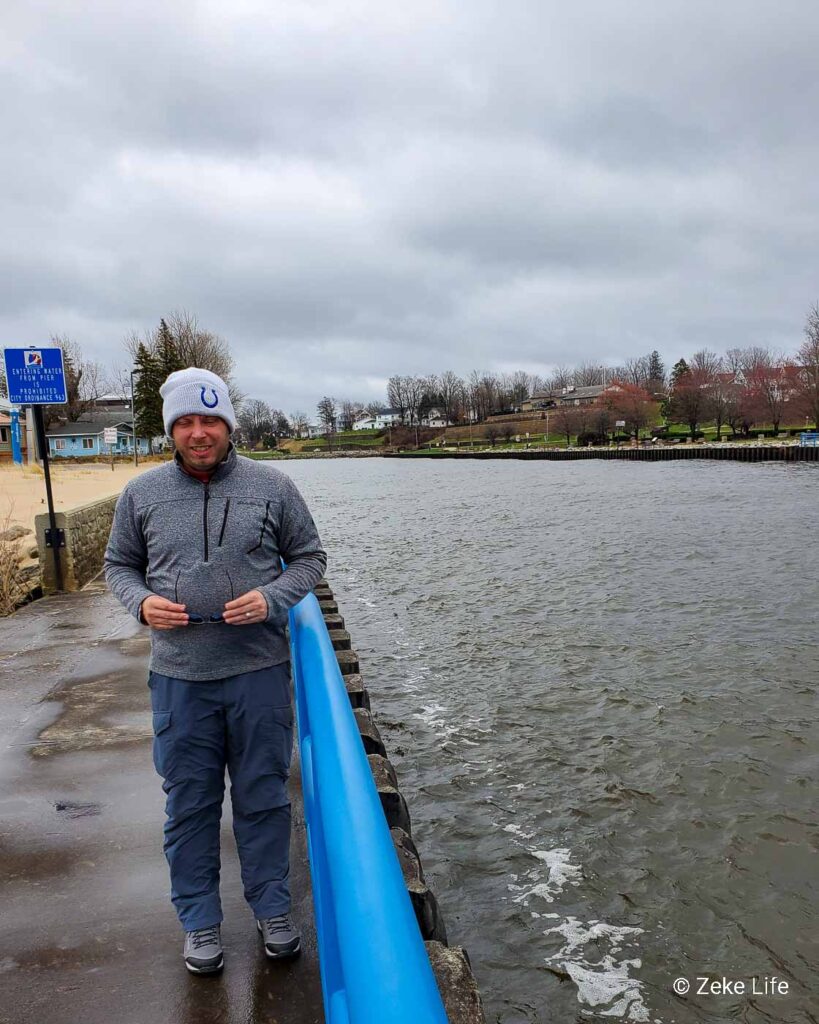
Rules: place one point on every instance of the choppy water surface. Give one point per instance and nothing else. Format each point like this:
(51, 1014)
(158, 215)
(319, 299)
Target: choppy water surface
(597, 682)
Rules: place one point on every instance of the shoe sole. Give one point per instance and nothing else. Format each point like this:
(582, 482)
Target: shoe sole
(285, 954)
(206, 970)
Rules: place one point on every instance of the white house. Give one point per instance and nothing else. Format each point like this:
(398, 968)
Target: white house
(385, 418)
(434, 418)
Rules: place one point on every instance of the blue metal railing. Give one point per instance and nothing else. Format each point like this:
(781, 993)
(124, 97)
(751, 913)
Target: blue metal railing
(809, 440)
(374, 967)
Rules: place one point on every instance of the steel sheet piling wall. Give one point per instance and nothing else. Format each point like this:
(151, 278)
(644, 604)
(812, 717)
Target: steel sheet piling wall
(744, 453)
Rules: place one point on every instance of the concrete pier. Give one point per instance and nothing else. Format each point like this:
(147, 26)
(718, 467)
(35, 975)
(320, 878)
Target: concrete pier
(87, 931)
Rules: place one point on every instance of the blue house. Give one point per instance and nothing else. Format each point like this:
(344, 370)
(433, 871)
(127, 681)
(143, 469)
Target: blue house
(84, 438)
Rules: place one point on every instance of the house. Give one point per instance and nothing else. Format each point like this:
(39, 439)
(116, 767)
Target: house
(383, 419)
(557, 397)
(434, 418)
(84, 438)
(5, 435)
(113, 403)
(5, 430)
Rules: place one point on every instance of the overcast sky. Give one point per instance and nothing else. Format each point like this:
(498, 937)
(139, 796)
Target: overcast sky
(347, 190)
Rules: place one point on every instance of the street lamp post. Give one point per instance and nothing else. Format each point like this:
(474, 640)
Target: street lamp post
(135, 370)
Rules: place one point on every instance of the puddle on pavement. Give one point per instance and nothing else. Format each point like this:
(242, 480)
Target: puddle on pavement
(32, 865)
(111, 709)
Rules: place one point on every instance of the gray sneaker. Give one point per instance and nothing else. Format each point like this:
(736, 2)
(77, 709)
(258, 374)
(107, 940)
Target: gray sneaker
(203, 950)
(280, 936)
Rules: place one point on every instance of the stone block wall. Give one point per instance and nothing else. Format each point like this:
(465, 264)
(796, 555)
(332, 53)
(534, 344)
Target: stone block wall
(450, 964)
(86, 536)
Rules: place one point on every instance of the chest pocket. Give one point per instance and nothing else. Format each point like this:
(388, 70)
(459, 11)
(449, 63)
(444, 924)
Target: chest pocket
(249, 528)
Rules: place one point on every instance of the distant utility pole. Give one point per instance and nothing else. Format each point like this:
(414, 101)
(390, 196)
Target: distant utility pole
(133, 416)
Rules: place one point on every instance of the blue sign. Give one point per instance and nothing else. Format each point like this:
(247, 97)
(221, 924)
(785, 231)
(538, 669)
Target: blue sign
(16, 446)
(35, 376)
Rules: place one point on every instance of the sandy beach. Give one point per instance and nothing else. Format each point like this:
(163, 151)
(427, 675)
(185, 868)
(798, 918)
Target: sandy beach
(23, 495)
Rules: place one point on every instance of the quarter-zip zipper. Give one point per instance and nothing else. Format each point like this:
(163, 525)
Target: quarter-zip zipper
(207, 499)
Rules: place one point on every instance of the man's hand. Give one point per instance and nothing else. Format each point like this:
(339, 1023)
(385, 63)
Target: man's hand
(246, 610)
(160, 613)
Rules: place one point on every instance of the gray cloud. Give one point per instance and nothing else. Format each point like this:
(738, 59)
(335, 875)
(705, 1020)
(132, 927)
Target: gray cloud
(345, 191)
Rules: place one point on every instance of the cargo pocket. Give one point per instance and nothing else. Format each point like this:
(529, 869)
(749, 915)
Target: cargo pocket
(162, 722)
(277, 725)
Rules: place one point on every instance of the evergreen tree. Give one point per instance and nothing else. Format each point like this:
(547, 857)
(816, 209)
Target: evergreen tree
(166, 352)
(147, 400)
(656, 369)
(680, 370)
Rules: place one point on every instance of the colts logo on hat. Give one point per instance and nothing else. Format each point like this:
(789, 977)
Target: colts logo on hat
(214, 403)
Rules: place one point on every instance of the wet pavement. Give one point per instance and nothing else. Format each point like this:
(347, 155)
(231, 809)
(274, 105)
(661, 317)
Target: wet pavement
(87, 931)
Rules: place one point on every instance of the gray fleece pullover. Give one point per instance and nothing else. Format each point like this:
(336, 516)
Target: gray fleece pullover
(202, 545)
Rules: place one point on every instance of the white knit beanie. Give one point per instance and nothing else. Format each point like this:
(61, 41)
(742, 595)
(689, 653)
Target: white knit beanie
(195, 391)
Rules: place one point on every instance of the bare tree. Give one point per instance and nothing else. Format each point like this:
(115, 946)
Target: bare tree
(688, 400)
(561, 378)
(414, 390)
(118, 382)
(587, 375)
(327, 417)
(350, 412)
(566, 421)
(299, 423)
(631, 403)
(808, 357)
(255, 421)
(280, 423)
(373, 409)
(767, 381)
(636, 371)
(397, 396)
(450, 391)
(193, 345)
(485, 394)
(84, 382)
(520, 388)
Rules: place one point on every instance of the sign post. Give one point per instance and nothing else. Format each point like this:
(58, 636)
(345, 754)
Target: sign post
(109, 437)
(36, 377)
(16, 445)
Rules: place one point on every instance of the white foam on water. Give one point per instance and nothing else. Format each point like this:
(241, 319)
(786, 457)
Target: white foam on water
(516, 830)
(609, 983)
(603, 983)
(434, 716)
(561, 873)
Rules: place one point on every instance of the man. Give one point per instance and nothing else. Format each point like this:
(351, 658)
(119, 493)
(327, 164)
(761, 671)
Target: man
(195, 554)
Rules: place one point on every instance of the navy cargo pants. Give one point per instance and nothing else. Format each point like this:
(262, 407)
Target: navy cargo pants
(243, 723)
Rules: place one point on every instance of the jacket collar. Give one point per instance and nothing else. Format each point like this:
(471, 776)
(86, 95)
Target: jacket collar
(225, 467)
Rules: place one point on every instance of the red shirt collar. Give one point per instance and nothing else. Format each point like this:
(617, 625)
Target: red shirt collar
(203, 475)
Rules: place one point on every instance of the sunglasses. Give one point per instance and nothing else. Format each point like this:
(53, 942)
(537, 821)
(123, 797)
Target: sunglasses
(200, 620)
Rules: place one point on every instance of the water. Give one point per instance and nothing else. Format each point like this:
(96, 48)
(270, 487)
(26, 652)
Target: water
(597, 682)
